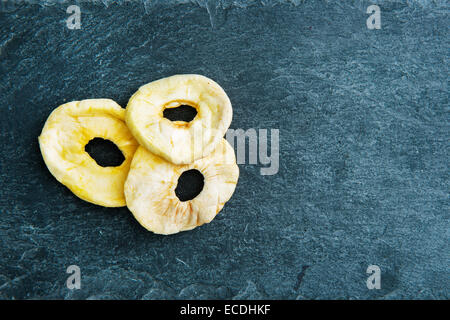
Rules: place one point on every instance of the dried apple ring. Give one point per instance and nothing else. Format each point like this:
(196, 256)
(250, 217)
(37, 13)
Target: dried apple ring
(67, 131)
(180, 142)
(152, 183)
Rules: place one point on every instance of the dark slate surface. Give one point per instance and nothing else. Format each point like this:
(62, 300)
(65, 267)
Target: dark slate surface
(363, 119)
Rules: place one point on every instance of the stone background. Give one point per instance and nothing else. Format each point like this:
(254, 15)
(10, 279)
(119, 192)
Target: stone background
(364, 149)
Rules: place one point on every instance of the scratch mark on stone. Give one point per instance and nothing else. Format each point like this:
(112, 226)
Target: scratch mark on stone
(182, 262)
(300, 277)
(211, 18)
(6, 284)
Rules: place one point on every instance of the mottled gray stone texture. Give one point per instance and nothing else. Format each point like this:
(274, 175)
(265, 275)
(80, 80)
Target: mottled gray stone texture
(364, 149)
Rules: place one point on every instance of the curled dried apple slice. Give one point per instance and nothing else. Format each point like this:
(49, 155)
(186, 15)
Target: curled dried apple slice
(67, 131)
(152, 186)
(180, 142)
